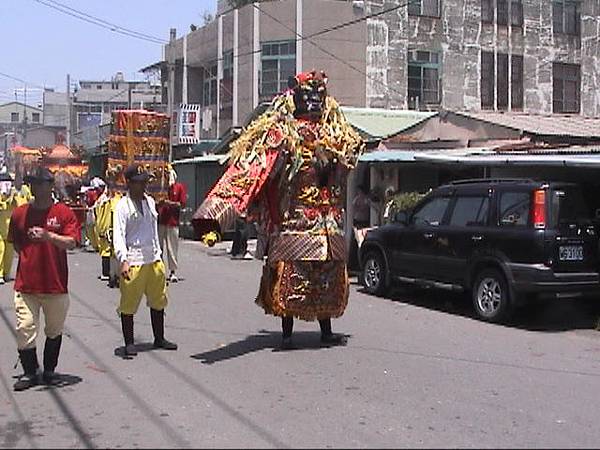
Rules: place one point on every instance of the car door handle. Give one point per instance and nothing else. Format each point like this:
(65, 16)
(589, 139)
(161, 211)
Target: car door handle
(476, 237)
(428, 235)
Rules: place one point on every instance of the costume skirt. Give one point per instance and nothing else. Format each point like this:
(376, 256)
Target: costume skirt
(307, 290)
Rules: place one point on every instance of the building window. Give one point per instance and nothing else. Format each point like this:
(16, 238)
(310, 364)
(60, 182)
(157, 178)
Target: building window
(35, 117)
(14, 117)
(423, 78)
(278, 63)
(516, 82)
(98, 86)
(85, 85)
(209, 86)
(424, 8)
(566, 83)
(227, 86)
(488, 7)
(566, 17)
(495, 86)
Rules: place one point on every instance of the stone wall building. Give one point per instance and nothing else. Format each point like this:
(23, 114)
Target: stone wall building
(531, 56)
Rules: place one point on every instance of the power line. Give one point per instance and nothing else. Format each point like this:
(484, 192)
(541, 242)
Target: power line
(99, 22)
(105, 22)
(20, 80)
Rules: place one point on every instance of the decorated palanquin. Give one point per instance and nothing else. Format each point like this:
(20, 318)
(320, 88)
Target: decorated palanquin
(142, 137)
(288, 172)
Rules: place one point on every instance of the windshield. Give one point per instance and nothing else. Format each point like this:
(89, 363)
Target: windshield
(568, 206)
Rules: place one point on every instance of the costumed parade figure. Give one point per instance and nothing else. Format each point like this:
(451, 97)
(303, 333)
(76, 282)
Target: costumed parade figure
(288, 172)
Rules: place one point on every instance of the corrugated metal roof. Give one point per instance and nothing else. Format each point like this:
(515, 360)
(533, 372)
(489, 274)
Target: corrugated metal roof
(551, 125)
(203, 159)
(415, 155)
(383, 123)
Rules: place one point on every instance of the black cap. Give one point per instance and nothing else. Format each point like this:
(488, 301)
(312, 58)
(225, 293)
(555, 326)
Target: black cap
(136, 172)
(39, 175)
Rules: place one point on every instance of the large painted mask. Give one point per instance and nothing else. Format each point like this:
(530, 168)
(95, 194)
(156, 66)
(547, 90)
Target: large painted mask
(310, 91)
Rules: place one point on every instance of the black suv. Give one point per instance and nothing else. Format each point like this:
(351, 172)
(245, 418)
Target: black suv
(504, 241)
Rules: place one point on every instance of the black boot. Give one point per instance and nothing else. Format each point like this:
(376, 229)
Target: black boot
(158, 328)
(287, 326)
(329, 338)
(127, 327)
(105, 268)
(30, 366)
(51, 352)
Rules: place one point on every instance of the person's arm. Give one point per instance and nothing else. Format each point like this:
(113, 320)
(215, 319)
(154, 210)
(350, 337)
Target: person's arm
(13, 232)
(39, 234)
(119, 226)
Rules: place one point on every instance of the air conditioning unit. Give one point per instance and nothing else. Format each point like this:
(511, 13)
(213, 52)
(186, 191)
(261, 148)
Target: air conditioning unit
(358, 4)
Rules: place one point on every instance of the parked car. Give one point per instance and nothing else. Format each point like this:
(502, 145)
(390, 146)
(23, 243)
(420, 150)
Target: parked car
(504, 241)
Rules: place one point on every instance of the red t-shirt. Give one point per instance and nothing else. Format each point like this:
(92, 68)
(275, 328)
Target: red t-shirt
(42, 266)
(169, 215)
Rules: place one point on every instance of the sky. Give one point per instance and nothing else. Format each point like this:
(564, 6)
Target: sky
(42, 45)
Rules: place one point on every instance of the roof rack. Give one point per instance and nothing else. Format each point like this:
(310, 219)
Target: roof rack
(491, 180)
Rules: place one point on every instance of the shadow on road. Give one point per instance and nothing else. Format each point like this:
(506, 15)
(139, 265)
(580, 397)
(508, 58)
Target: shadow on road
(264, 340)
(62, 380)
(553, 315)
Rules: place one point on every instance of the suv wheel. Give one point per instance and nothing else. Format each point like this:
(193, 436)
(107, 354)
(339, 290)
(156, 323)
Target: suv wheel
(374, 274)
(490, 296)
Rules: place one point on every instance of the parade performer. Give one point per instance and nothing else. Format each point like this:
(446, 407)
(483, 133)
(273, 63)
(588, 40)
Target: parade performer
(91, 197)
(169, 211)
(288, 172)
(8, 202)
(42, 232)
(104, 226)
(137, 247)
(102, 221)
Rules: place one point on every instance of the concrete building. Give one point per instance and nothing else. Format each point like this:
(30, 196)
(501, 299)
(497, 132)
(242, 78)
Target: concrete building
(92, 102)
(246, 55)
(16, 115)
(532, 56)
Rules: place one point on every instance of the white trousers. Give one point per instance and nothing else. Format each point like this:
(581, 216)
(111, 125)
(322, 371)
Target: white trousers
(169, 243)
(27, 308)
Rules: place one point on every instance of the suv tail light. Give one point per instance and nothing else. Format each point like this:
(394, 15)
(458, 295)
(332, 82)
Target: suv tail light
(539, 208)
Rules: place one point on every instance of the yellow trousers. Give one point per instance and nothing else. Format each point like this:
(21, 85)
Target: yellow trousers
(6, 258)
(27, 308)
(149, 279)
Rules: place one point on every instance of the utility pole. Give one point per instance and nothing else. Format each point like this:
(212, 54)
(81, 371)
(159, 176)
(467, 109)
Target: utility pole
(25, 115)
(68, 137)
(129, 104)
(170, 60)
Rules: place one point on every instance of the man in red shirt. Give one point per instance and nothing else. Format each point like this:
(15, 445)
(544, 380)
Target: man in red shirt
(41, 232)
(168, 223)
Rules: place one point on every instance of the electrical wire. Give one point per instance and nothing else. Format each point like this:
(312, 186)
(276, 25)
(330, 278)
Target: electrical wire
(100, 23)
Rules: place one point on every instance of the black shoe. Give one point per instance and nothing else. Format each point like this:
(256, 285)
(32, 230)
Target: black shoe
(25, 382)
(130, 350)
(49, 377)
(287, 343)
(164, 344)
(334, 339)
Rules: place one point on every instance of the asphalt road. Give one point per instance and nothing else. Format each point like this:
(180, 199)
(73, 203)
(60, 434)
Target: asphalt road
(418, 371)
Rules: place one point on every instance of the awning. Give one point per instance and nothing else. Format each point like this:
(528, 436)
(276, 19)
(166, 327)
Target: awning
(590, 160)
(221, 159)
(388, 156)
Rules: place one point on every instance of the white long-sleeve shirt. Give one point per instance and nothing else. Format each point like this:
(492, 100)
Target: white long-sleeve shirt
(135, 235)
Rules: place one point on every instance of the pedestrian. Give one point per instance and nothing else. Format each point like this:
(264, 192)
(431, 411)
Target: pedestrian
(102, 218)
(8, 202)
(137, 248)
(169, 211)
(239, 247)
(41, 232)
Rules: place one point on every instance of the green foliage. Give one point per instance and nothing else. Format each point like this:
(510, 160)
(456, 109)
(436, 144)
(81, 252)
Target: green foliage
(401, 202)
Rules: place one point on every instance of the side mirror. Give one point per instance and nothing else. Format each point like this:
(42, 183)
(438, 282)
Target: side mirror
(401, 218)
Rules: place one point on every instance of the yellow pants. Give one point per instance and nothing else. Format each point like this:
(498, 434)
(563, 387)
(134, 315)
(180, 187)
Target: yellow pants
(104, 246)
(6, 258)
(27, 307)
(149, 279)
(92, 235)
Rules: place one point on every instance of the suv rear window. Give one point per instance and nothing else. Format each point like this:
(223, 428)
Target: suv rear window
(470, 211)
(514, 208)
(568, 206)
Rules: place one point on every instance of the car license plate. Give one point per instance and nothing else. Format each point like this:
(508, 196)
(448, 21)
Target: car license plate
(570, 253)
